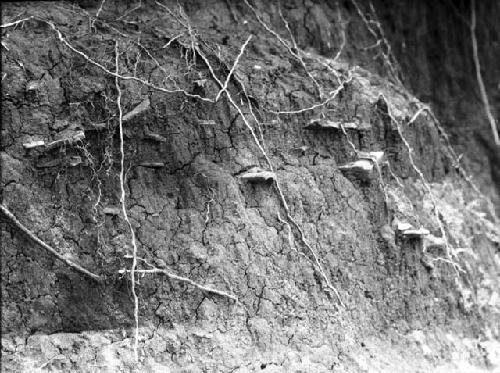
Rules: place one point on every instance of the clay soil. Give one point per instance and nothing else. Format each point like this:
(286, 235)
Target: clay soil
(281, 247)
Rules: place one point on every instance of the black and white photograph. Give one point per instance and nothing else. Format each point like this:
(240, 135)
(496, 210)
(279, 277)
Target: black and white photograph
(239, 186)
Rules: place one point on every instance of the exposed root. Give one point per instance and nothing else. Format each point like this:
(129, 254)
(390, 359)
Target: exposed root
(293, 50)
(449, 250)
(100, 9)
(203, 288)
(95, 177)
(124, 208)
(173, 276)
(381, 41)
(268, 161)
(15, 23)
(391, 172)
(130, 11)
(208, 204)
(344, 39)
(482, 88)
(299, 52)
(351, 144)
(455, 159)
(193, 50)
(331, 97)
(224, 87)
(285, 204)
(116, 75)
(11, 218)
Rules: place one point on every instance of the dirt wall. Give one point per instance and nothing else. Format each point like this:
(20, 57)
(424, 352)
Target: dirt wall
(195, 215)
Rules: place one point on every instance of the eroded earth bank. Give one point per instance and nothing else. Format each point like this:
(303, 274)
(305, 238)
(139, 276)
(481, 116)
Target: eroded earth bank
(295, 208)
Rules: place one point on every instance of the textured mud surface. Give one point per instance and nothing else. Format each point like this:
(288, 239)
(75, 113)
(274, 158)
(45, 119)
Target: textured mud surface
(194, 215)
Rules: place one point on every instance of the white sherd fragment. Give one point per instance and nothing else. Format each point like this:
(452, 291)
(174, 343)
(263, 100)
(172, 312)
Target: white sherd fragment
(401, 226)
(377, 157)
(155, 137)
(318, 123)
(111, 211)
(200, 82)
(34, 144)
(256, 175)
(408, 230)
(362, 166)
(421, 232)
